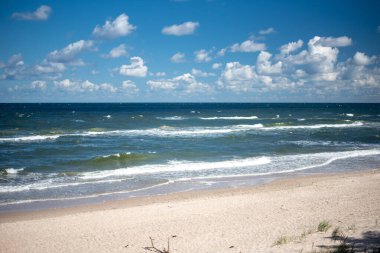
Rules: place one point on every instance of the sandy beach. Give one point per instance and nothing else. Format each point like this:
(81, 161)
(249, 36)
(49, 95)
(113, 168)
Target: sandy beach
(282, 216)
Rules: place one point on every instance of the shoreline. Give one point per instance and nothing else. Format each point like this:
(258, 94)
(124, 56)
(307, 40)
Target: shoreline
(249, 219)
(274, 183)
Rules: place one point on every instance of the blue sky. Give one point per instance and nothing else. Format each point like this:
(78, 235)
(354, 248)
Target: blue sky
(189, 51)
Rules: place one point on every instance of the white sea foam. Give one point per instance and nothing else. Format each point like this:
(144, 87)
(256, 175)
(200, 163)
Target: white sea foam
(317, 126)
(167, 131)
(229, 118)
(13, 171)
(172, 118)
(177, 166)
(328, 157)
(349, 115)
(51, 183)
(32, 138)
(116, 155)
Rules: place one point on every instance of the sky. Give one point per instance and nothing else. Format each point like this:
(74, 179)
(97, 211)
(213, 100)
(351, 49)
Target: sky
(189, 51)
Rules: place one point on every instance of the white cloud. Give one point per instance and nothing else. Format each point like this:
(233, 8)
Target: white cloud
(237, 77)
(47, 67)
(186, 28)
(185, 83)
(107, 87)
(135, 69)
(130, 87)
(315, 70)
(264, 66)
(67, 84)
(221, 52)
(160, 74)
(291, 47)
(162, 84)
(71, 51)
(248, 46)
(362, 59)
(178, 57)
(85, 86)
(267, 31)
(343, 41)
(42, 13)
(38, 84)
(216, 65)
(113, 29)
(202, 55)
(200, 73)
(14, 68)
(117, 52)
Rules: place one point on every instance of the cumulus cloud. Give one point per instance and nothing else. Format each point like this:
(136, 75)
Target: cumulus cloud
(291, 47)
(160, 74)
(186, 28)
(248, 46)
(185, 83)
(203, 55)
(362, 59)
(119, 27)
(135, 69)
(237, 77)
(42, 13)
(38, 84)
(129, 87)
(71, 51)
(107, 87)
(216, 65)
(200, 73)
(264, 65)
(85, 86)
(117, 52)
(315, 69)
(343, 41)
(14, 68)
(267, 31)
(178, 57)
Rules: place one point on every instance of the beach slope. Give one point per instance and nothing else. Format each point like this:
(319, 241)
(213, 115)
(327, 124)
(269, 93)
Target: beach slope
(282, 216)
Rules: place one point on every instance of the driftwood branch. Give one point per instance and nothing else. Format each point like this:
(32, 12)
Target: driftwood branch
(153, 248)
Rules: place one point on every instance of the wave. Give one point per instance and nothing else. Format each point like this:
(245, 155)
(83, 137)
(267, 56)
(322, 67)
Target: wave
(13, 171)
(50, 184)
(32, 138)
(177, 166)
(317, 126)
(337, 156)
(253, 166)
(171, 118)
(167, 131)
(229, 118)
(109, 161)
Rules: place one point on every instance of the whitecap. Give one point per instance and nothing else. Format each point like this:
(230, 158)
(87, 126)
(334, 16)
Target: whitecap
(171, 118)
(177, 166)
(13, 171)
(230, 118)
(31, 138)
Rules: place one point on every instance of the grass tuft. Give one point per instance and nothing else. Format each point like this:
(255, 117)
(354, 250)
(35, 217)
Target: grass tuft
(282, 240)
(323, 226)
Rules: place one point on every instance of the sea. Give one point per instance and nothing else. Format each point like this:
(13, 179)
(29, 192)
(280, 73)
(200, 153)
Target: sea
(65, 154)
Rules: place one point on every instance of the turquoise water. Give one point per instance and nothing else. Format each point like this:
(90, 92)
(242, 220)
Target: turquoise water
(52, 154)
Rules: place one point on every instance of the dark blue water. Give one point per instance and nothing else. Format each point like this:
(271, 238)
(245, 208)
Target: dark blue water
(51, 153)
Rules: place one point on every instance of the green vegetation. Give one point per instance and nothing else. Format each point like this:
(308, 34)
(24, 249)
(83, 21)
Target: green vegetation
(282, 240)
(323, 226)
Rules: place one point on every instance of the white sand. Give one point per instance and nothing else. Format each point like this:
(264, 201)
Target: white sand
(230, 220)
